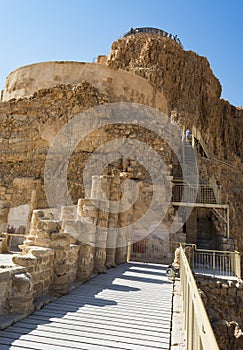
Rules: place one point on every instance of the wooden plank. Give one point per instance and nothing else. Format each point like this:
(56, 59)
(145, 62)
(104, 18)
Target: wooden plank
(122, 310)
(55, 327)
(111, 318)
(70, 342)
(95, 327)
(89, 338)
(107, 324)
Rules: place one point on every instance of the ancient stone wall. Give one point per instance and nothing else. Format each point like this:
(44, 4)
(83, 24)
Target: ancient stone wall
(25, 81)
(63, 247)
(223, 302)
(27, 130)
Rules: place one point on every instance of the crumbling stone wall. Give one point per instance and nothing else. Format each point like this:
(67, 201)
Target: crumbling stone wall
(223, 302)
(16, 293)
(64, 246)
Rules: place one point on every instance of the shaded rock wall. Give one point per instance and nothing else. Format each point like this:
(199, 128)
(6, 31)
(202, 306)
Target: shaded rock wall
(223, 302)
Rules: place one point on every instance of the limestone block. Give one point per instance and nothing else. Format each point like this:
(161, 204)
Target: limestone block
(102, 223)
(112, 238)
(62, 279)
(27, 260)
(21, 283)
(37, 215)
(88, 220)
(101, 235)
(68, 213)
(121, 255)
(20, 298)
(41, 252)
(3, 242)
(59, 254)
(103, 215)
(99, 260)
(83, 232)
(115, 194)
(121, 240)
(49, 226)
(61, 240)
(21, 304)
(38, 288)
(86, 250)
(45, 274)
(85, 266)
(100, 244)
(3, 290)
(89, 211)
(87, 208)
(110, 257)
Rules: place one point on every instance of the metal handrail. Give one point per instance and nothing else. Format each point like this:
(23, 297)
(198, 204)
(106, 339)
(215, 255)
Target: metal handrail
(151, 250)
(209, 262)
(10, 238)
(193, 193)
(216, 262)
(199, 333)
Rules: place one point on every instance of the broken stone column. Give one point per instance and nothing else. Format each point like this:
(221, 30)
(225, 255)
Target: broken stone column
(50, 255)
(88, 216)
(111, 241)
(101, 236)
(21, 296)
(125, 223)
(38, 262)
(85, 234)
(101, 187)
(113, 221)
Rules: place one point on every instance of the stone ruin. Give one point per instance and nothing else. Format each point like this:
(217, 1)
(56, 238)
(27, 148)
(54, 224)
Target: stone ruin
(71, 242)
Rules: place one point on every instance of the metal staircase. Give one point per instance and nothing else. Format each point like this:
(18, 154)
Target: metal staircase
(187, 194)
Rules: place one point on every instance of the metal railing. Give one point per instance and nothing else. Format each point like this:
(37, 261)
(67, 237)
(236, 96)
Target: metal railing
(153, 31)
(193, 194)
(199, 333)
(152, 250)
(209, 262)
(216, 262)
(13, 240)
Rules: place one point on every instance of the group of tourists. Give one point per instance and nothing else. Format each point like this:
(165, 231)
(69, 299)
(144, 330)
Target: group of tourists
(154, 31)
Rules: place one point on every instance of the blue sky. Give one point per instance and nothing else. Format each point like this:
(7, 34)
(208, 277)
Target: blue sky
(48, 30)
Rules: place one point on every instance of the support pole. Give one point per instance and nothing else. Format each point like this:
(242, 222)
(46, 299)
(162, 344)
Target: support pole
(228, 227)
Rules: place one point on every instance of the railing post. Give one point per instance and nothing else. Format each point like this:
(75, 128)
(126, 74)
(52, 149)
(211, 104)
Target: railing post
(129, 246)
(237, 267)
(214, 263)
(228, 228)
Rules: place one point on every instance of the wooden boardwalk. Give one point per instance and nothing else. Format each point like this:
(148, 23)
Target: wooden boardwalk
(128, 308)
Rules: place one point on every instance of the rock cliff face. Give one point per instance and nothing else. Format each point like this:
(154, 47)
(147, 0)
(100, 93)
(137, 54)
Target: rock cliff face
(193, 95)
(189, 85)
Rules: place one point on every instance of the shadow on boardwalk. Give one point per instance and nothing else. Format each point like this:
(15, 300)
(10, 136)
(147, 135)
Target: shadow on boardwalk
(108, 312)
